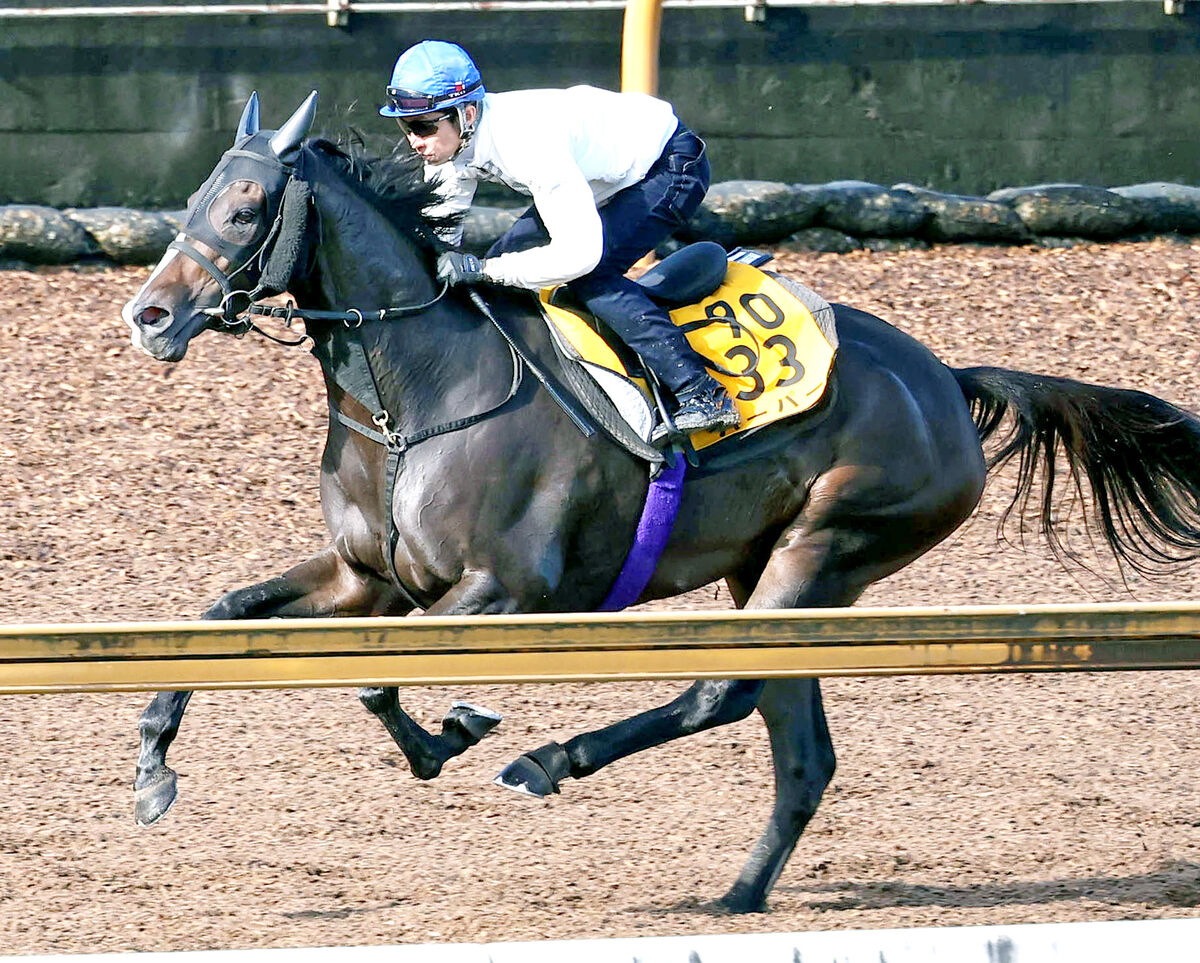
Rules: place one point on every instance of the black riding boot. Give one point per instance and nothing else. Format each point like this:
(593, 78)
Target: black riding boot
(702, 406)
(702, 403)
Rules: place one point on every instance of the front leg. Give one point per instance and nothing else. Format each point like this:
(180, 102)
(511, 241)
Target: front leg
(324, 585)
(477, 593)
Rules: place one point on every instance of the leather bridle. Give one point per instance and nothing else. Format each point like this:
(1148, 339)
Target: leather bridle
(250, 159)
(285, 187)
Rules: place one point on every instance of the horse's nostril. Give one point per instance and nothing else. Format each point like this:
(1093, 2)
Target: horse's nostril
(149, 316)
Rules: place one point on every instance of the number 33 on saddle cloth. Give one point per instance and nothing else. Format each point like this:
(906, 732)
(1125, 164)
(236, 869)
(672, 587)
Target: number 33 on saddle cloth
(770, 342)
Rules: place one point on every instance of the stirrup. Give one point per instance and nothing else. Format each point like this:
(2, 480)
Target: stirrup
(665, 435)
(707, 409)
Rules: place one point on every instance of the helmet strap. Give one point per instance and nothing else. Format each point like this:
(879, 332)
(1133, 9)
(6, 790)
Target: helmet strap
(466, 131)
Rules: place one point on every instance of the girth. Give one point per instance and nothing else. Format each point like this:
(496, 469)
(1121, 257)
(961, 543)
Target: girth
(354, 375)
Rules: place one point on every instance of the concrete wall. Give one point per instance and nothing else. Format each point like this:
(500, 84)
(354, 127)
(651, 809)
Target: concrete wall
(962, 98)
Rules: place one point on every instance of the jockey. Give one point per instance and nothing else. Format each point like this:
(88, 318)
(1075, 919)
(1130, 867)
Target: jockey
(611, 176)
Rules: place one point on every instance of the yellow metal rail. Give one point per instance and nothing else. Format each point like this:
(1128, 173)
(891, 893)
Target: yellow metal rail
(535, 648)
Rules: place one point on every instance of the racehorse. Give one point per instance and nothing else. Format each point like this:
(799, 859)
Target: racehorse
(470, 491)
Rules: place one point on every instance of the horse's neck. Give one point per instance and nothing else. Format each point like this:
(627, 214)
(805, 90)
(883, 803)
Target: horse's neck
(363, 260)
(427, 368)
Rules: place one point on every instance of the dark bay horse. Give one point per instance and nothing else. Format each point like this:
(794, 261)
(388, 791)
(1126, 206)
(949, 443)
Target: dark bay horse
(489, 500)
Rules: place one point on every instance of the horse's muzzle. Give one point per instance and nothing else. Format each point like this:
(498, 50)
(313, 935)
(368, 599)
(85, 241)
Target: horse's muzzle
(156, 331)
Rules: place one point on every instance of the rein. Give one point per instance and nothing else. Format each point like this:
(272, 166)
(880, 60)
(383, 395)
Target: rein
(351, 317)
(242, 322)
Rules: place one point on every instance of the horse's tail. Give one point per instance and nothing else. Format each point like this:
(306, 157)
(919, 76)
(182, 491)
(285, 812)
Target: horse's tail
(1139, 454)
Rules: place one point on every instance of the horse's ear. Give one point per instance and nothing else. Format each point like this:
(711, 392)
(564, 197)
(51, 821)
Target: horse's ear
(287, 140)
(249, 123)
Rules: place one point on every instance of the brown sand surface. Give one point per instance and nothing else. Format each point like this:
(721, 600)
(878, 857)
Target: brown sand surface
(134, 490)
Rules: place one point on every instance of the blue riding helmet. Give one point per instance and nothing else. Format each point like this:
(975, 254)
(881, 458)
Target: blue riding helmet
(432, 75)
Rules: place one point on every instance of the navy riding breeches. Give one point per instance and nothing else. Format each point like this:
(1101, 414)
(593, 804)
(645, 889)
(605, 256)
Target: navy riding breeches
(636, 220)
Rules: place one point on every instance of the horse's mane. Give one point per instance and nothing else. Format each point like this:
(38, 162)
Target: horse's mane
(393, 185)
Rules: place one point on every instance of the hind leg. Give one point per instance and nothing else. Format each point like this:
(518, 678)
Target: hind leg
(703, 706)
(801, 748)
(839, 545)
(810, 565)
(802, 753)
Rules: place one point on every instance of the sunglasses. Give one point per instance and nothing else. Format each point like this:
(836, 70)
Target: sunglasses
(421, 128)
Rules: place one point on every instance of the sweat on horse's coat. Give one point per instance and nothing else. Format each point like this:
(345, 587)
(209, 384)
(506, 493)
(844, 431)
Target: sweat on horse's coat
(519, 512)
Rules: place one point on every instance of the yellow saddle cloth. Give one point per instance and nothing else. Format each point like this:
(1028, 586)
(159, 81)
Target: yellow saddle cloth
(775, 337)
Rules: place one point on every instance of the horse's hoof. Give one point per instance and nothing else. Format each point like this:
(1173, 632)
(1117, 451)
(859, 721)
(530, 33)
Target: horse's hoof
(472, 722)
(151, 801)
(526, 776)
(536, 773)
(739, 902)
(425, 769)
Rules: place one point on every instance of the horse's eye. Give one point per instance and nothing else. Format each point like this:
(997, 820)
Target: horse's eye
(245, 215)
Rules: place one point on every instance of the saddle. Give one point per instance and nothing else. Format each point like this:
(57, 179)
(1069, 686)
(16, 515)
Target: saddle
(769, 340)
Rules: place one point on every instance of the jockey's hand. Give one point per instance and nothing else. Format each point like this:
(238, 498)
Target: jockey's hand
(454, 267)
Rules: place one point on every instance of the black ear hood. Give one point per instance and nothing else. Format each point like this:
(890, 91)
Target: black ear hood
(252, 160)
(291, 245)
(268, 158)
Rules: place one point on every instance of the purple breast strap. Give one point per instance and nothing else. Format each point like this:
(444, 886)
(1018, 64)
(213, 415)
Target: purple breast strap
(654, 528)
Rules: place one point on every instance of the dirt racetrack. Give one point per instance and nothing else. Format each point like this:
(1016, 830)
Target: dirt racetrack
(133, 490)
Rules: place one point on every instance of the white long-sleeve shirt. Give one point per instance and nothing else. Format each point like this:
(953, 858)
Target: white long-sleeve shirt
(570, 150)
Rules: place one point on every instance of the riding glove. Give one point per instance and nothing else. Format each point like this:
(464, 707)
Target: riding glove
(454, 268)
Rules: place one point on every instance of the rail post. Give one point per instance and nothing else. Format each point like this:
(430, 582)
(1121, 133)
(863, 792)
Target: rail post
(639, 46)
